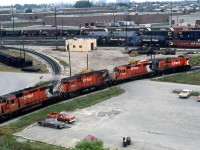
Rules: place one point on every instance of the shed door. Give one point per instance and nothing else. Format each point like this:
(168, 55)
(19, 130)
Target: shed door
(92, 46)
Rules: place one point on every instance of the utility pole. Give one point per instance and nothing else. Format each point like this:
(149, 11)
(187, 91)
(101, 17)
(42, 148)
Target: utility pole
(13, 19)
(23, 47)
(70, 71)
(1, 35)
(62, 25)
(87, 61)
(56, 28)
(151, 41)
(171, 14)
(126, 33)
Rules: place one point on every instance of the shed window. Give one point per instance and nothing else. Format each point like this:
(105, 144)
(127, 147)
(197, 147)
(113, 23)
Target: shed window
(80, 46)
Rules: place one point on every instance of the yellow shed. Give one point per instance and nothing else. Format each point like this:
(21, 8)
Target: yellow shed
(80, 45)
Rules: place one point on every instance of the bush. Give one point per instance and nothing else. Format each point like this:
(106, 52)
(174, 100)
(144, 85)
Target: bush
(89, 145)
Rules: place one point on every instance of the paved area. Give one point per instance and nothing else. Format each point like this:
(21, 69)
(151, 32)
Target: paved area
(148, 112)
(11, 82)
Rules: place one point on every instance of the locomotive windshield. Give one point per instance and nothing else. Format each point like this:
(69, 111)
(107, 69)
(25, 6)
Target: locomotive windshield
(116, 69)
(2, 100)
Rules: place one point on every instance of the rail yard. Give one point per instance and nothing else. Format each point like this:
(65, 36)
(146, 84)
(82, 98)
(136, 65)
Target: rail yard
(148, 111)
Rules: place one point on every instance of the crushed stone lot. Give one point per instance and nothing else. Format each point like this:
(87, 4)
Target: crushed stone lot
(148, 112)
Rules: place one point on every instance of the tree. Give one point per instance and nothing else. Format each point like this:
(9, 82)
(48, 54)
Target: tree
(83, 4)
(29, 10)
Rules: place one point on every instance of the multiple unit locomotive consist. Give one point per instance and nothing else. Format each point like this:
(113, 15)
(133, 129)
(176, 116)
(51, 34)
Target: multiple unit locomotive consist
(15, 102)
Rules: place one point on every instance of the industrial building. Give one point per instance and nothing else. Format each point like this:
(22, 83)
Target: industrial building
(190, 20)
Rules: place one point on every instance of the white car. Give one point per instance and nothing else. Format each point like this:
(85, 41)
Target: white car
(185, 93)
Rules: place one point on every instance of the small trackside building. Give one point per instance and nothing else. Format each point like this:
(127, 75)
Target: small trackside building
(80, 45)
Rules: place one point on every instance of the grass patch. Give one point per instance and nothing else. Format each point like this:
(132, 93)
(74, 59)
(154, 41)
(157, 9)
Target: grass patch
(195, 60)
(194, 93)
(36, 63)
(78, 103)
(9, 142)
(62, 62)
(184, 78)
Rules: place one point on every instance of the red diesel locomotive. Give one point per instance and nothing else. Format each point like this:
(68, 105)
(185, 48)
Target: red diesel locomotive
(150, 68)
(83, 81)
(86, 81)
(132, 70)
(20, 100)
(170, 65)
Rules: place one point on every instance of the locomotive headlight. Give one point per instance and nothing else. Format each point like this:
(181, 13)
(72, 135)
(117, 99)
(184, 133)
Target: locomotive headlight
(188, 62)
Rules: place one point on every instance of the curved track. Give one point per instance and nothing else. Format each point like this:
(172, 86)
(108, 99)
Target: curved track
(55, 66)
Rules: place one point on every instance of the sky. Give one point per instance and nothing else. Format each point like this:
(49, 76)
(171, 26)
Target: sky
(21, 2)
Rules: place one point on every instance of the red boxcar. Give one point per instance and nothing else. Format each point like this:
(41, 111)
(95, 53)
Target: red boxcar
(190, 44)
(141, 68)
(83, 81)
(13, 102)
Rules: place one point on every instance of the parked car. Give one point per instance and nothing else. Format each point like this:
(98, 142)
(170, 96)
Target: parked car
(198, 98)
(90, 138)
(185, 93)
(62, 116)
(52, 122)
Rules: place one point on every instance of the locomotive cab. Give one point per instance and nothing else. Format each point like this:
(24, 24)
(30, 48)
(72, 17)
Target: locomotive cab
(3, 102)
(119, 72)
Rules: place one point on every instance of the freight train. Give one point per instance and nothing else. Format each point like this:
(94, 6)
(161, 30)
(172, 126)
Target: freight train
(15, 102)
(118, 35)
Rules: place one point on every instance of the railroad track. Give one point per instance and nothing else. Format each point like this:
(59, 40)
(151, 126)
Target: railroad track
(55, 66)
